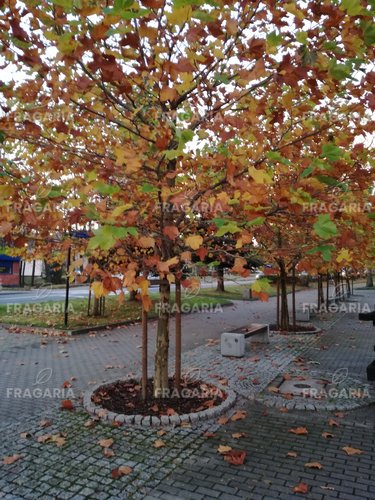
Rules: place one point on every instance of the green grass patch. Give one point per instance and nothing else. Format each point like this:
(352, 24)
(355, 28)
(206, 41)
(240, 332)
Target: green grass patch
(51, 313)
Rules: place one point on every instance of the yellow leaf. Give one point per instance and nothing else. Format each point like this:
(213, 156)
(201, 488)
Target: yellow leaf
(99, 290)
(143, 285)
(344, 255)
(180, 15)
(260, 176)
(194, 241)
(224, 449)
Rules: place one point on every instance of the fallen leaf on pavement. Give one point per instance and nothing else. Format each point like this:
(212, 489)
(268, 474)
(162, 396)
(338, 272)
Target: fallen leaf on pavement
(124, 470)
(239, 415)
(108, 453)
(292, 454)
(162, 432)
(89, 423)
(159, 443)
(333, 423)
(224, 449)
(106, 443)
(352, 451)
(314, 465)
(239, 435)
(209, 434)
(67, 404)
(223, 420)
(11, 459)
(299, 431)
(301, 488)
(327, 435)
(44, 438)
(25, 435)
(273, 389)
(45, 423)
(235, 457)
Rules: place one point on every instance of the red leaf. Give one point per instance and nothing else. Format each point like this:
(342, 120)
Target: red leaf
(66, 404)
(235, 457)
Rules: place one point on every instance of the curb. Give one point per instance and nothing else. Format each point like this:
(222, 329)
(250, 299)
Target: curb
(153, 421)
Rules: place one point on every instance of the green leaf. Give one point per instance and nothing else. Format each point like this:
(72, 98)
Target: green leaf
(135, 15)
(329, 181)
(339, 71)
(148, 188)
(66, 4)
(171, 154)
(276, 156)
(352, 7)
(106, 189)
(261, 285)
(368, 33)
(273, 39)
(309, 170)
(301, 36)
(183, 3)
(106, 236)
(221, 78)
(258, 221)
(2, 136)
(324, 227)
(230, 227)
(331, 152)
(325, 250)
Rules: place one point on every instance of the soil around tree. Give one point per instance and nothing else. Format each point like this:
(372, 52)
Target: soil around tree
(309, 328)
(125, 397)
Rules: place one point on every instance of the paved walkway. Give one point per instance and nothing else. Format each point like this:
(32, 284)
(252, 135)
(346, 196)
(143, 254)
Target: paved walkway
(189, 466)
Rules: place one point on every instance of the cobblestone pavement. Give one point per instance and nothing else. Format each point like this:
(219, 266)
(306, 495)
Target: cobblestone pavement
(188, 465)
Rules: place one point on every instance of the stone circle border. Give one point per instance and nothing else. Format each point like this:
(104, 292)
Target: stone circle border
(299, 332)
(154, 421)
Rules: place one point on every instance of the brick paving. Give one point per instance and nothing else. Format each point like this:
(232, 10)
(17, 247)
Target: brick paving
(189, 466)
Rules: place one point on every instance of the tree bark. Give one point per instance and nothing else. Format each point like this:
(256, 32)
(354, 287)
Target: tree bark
(132, 295)
(144, 353)
(284, 312)
(177, 374)
(162, 343)
(220, 280)
(96, 307)
(369, 280)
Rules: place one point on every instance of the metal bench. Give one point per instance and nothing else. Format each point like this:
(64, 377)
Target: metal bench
(233, 342)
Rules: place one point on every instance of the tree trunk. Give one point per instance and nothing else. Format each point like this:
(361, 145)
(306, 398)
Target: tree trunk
(284, 313)
(162, 343)
(220, 280)
(369, 280)
(132, 295)
(96, 307)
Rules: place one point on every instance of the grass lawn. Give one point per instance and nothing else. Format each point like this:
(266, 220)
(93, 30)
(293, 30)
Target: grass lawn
(51, 314)
(235, 292)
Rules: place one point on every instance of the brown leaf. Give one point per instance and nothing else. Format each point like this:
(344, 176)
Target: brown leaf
(89, 423)
(209, 434)
(58, 440)
(301, 488)
(159, 444)
(235, 457)
(25, 435)
(44, 438)
(162, 432)
(333, 423)
(108, 453)
(300, 431)
(273, 389)
(11, 459)
(239, 435)
(67, 384)
(327, 435)
(67, 404)
(223, 420)
(239, 415)
(314, 465)
(352, 451)
(292, 454)
(45, 423)
(106, 443)
(124, 470)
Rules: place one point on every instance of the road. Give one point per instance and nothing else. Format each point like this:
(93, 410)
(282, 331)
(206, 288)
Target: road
(46, 293)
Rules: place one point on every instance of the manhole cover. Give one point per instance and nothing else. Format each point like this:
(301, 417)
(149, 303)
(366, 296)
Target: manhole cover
(306, 388)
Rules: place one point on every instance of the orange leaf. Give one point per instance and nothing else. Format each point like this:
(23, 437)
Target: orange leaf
(66, 404)
(238, 435)
(333, 423)
(292, 454)
(167, 94)
(327, 435)
(171, 231)
(159, 444)
(299, 431)
(11, 459)
(301, 488)
(224, 449)
(239, 415)
(223, 420)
